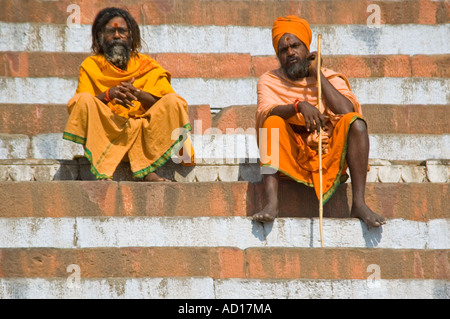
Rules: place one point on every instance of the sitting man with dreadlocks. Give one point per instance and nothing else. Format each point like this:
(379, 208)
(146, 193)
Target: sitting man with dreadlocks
(124, 107)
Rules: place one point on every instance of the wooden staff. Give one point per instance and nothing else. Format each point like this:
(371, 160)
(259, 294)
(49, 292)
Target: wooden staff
(319, 88)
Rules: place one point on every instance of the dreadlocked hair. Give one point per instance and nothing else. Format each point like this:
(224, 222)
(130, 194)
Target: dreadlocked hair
(103, 17)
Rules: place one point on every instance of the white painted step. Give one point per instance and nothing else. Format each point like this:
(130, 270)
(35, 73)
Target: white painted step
(220, 93)
(231, 148)
(240, 232)
(234, 288)
(353, 39)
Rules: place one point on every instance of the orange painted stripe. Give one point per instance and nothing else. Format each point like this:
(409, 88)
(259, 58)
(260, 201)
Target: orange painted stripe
(414, 201)
(237, 12)
(227, 262)
(382, 119)
(229, 65)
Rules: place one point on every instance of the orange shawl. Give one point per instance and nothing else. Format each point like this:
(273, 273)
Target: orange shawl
(97, 75)
(297, 155)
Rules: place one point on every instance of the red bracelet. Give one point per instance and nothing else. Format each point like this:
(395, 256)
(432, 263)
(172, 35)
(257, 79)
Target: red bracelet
(107, 98)
(296, 105)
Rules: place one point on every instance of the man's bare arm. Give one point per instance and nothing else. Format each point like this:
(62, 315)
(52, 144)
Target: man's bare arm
(338, 103)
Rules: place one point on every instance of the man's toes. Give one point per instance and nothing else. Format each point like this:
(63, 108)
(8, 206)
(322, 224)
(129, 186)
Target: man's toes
(261, 217)
(257, 217)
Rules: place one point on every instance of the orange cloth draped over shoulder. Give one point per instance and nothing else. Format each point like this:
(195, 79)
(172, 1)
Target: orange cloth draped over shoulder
(111, 133)
(286, 148)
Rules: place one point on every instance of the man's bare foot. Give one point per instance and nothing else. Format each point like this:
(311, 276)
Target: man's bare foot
(367, 216)
(267, 215)
(153, 177)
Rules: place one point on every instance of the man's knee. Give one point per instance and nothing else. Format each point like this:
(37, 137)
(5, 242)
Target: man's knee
(274, 121)
(173, 99)
(80, 100)
(359, 125)
(84, 97)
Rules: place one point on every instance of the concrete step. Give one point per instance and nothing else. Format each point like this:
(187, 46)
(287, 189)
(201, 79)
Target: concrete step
(194, 239)
(381, 119)
(226, 262)
(61, 199)
(235, 148)
(240, 232)
(218, 12)
(183, 38)
(381, 171)
(222, 92)
(52, 118)
(234, 288)
(229, 65)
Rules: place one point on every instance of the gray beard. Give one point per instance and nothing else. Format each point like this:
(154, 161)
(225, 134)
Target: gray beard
(297, 71)
(117, 52)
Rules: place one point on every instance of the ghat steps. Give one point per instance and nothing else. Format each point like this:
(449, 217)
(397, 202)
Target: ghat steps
(63, 235)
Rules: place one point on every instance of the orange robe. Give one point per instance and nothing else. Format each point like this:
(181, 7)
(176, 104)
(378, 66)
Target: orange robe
(112, 133)
(295, 155)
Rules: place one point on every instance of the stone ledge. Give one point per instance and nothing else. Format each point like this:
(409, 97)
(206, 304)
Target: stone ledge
(381, 171)
(226, 262)
(234, 288)
(238, 232)
(233, 147)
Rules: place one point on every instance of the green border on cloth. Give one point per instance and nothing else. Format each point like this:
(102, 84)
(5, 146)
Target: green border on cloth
(339, 177)
(165, 157)
(74, 138)
(141, 173)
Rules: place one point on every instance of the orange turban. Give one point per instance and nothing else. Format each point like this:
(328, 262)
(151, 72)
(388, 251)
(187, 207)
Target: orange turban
(294, 25)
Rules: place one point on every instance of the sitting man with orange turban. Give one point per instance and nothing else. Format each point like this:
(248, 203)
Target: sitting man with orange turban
(124, 107)
(289, 119)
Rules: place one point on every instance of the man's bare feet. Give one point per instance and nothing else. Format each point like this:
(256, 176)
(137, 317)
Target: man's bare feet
(153, 177)
(267, 215)
(364, 213)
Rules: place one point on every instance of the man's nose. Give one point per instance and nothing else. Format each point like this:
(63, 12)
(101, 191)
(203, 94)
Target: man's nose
(116, 34)
(290, 51)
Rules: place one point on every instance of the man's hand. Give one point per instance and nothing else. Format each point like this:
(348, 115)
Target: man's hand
(124, 93)
(313, 118)
(312, 57)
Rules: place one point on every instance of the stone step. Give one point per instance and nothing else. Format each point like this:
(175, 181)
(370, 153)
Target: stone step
(52, 118)
(381, 171)
(222, 92)
(63, 199)
(240, 232)
(242, 12)
(235, 288)
(61, 238)
(381, 119)
(230, 148)
(354, 39)
(229, 65)
(227, 262)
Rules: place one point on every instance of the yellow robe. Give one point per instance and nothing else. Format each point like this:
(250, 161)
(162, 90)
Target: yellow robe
(111, 133)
